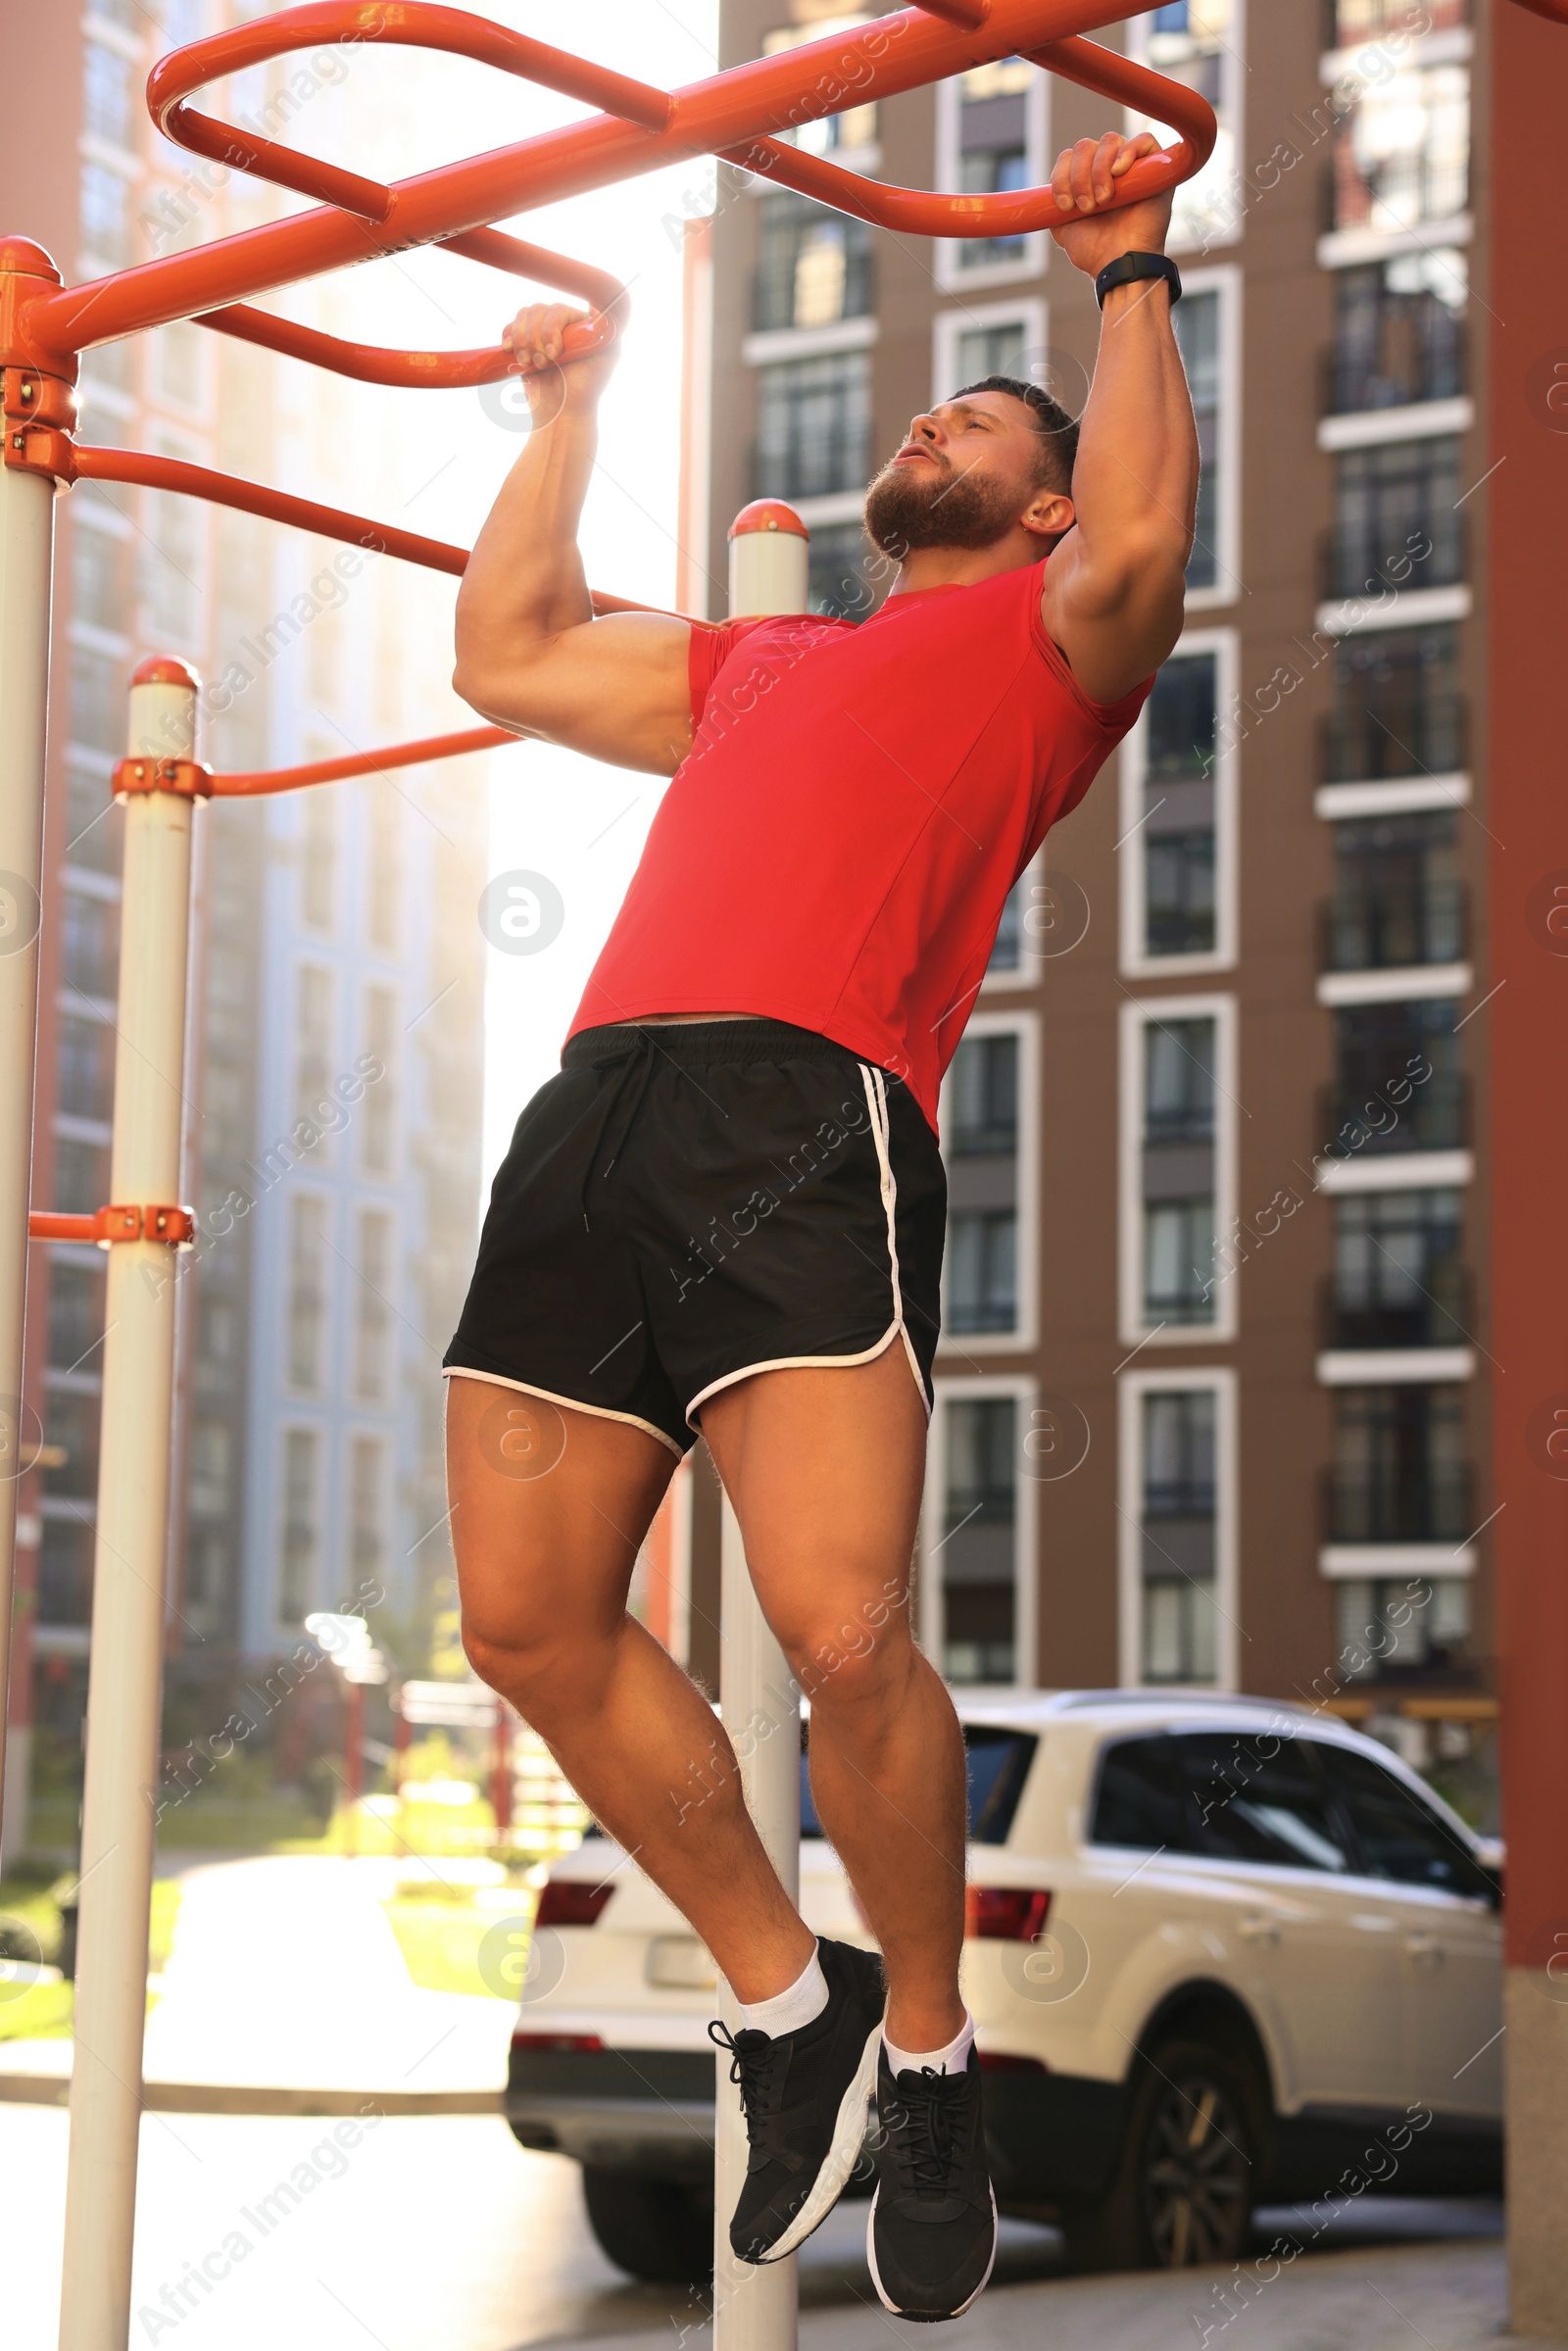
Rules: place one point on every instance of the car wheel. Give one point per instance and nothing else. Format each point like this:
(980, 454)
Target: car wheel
(659, 2231)
(1182, 2195)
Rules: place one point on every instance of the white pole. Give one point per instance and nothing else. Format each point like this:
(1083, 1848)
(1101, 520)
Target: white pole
(754, 2309)
(27, 544)
(125, 1685)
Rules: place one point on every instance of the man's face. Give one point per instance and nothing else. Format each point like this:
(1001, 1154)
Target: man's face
(966, 473)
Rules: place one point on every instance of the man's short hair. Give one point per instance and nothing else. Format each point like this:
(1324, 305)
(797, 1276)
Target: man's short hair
(1057, 431)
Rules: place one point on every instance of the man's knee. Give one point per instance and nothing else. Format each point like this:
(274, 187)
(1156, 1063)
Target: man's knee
(844, 1662)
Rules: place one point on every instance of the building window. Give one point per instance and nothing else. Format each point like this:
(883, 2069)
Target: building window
(845, 135)
(1402, 156)
(1354, 23)
(1199, 43)
(367, 1507)
(179, 363)
(172, 586)
(1398, 1281)
(318, 848)
(378, 1110)
(977, 1552)
(1396, 707)
(1177, 1170)
(312, 1042)
(372, 1310)
(1196, 320)
(302, 1519)
(105, 214)
(991, 141)
(211, 1462)
(986, 1121)
(85, 1066)
(306, 1290)
(814, 266)
(1391, 1628)
(1400, 332)
(1398, 896)
(1397, 1085)
(65, 1571)
(98, 704)
(1396, 522)
(1177, 1526)
(813, 426)
(988, 338)
(383, 908)
(75, 1316)
(108, 95)
(845, 577)
(89, 944)
(82, 1177)
(98, 579)
(1401, 1473)
(1176, 790)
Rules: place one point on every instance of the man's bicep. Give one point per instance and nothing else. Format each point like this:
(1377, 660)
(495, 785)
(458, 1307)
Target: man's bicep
(616, 688)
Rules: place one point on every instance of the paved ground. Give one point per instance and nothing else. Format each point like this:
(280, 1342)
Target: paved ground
(440, 2233)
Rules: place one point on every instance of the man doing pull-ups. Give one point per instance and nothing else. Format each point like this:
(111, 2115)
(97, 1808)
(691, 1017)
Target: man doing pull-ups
(726, 1212)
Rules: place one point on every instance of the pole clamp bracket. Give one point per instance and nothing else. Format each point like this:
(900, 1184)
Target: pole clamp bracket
(189, 780)
(40, 416)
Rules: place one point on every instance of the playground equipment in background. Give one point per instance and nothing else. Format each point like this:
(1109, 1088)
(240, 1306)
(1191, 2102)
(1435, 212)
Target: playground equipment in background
(745, 117)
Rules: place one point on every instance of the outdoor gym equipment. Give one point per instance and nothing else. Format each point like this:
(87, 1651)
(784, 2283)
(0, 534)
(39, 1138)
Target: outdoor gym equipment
(743, 116)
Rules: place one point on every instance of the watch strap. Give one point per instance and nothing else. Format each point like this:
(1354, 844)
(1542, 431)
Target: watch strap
(1129, 265)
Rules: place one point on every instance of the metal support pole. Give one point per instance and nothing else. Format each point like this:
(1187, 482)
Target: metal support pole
(754, 2309)
(125, 1685)
(27, 539)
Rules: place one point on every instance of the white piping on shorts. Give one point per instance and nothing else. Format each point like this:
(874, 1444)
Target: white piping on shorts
(877, 1103)
(573, 1403)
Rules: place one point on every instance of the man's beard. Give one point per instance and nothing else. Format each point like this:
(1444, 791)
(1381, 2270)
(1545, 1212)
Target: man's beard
(911, 506)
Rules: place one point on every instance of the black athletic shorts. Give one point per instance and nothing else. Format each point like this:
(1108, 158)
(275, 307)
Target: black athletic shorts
(687, 1205)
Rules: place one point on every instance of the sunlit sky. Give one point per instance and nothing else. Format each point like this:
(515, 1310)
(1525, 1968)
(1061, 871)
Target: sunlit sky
(577, 822)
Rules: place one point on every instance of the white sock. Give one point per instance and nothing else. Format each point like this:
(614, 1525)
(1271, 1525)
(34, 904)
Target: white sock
(950, 2059)
(789, 2010)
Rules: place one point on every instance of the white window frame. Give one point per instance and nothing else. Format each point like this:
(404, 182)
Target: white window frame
(297, 1424)
(1136, 962)
(1231, 112)
(1137, 1014)
(950, 276)
(1026, 310)
(381, 1436)
(1025, 1525)
(1224, 280)
(1131, 1389)
(1009, 1021)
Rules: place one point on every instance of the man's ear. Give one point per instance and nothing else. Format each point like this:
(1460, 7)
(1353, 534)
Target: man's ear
(1049, 513)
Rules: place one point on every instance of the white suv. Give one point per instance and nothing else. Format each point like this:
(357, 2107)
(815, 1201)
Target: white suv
(1218, 1949)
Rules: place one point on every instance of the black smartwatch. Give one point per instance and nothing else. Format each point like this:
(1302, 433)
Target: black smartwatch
(1128, 265)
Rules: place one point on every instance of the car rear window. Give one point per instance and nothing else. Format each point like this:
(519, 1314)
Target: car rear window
(1226, 1795)
(998, 1762)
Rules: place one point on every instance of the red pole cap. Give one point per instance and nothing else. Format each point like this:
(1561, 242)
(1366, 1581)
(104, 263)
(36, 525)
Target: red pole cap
(162, 669)
(767, 514)
(20, 257)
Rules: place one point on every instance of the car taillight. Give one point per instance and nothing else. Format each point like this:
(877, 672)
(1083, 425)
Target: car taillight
(564, 1904)
(1007, 1913)
(557, 2043)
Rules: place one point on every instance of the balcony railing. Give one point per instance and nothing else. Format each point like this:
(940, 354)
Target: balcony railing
(1379, 553)
(1440, 1315)
(1396, 925)
(1426, 735)
(1408, 361)
(1398, 1116)
(1400, 193)
(1351, 24)
(1430, 1505)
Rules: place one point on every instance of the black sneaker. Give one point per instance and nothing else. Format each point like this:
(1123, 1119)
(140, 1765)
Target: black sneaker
(932, 2235)
(806, 2096)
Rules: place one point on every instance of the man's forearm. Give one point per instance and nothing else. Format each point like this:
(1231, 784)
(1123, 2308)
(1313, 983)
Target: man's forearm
(524, 580)
(1135, 481)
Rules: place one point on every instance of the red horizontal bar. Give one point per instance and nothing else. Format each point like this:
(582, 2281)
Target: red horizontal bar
(45, 1224)
(879, 60)
(439, 371)
(247, 786)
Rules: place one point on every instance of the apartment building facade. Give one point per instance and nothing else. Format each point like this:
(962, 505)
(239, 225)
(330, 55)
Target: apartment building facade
(1214, 1390)
(338, 956)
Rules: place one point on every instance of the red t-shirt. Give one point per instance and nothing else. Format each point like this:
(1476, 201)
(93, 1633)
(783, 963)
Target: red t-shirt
(858, 800)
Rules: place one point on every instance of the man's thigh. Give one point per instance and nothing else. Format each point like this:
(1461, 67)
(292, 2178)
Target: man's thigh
(825, 1468)
(549, 1509)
